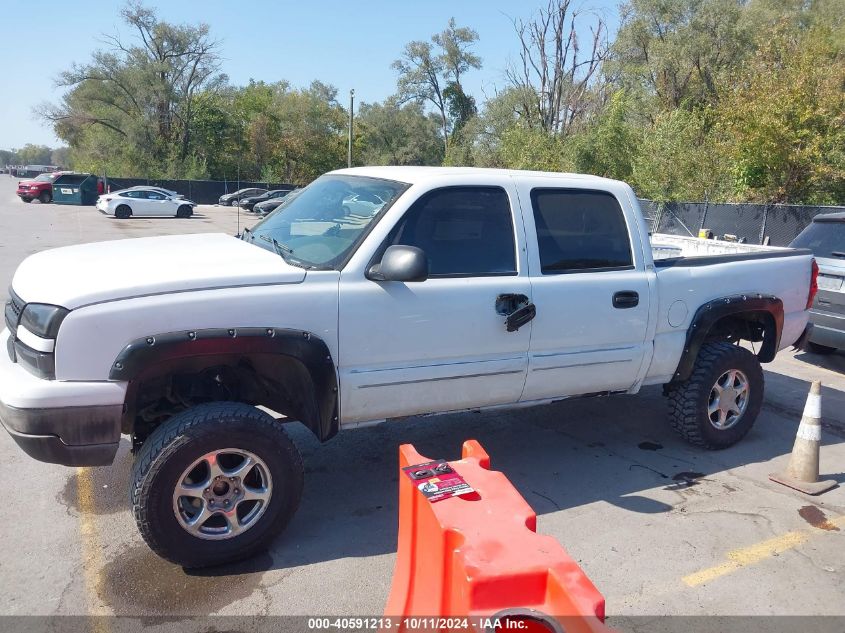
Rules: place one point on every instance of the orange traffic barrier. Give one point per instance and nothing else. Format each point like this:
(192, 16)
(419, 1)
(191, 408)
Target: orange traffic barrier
(476, 559)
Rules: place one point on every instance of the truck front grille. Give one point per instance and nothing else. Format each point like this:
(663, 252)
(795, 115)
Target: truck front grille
(12, 313)
(14, 308)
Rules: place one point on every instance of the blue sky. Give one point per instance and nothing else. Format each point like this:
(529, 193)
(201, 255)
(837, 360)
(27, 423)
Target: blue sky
(347, 44)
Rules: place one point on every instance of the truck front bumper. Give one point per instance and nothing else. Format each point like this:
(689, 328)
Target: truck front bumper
(69, 423)
(74, 436)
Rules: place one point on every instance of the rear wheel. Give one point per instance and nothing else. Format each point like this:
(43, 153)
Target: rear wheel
(215, 484)
(822, 350)
(718, 404)
(184, 211)
(46, 197)
(123, 212)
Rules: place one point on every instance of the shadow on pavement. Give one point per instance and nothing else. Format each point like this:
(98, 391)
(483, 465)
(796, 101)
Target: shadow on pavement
(833, 362)
(559, 456)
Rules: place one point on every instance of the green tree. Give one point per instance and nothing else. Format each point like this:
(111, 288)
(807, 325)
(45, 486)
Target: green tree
(60, 156)
(678, 52)
(390, 134)
(679, 159)
(532, 148)
(481, 139)
(430, 72)
(31, 154)
(609, 146)
(784, 119)
(461, 106)
(135, 100)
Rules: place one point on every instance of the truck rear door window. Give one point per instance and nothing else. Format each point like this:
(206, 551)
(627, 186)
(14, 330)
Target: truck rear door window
(580, 230)
(464, 231)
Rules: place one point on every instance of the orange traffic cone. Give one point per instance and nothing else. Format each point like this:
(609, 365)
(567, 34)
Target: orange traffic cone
(802, 472)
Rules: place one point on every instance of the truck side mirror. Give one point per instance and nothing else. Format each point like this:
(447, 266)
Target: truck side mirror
(400, 263)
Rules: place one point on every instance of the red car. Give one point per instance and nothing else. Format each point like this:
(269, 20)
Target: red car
(40, 187)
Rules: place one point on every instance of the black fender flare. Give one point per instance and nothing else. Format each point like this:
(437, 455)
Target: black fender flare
(304, 347)
(711, 312)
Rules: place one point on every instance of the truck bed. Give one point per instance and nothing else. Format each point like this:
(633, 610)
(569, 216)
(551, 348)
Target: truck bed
(665, 246)
(691, 271)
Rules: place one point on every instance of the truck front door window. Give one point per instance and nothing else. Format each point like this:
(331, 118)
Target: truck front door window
(464, 231)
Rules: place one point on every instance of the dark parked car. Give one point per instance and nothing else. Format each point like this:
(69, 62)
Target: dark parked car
(826, 238)
(232, 199)
(249, 203)
(263, 208)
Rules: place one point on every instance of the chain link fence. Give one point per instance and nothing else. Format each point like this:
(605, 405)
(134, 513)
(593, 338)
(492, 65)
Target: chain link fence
(775, 224)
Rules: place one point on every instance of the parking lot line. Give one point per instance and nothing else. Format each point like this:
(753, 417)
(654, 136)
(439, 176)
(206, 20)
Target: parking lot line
(753, 554)
(92, 561)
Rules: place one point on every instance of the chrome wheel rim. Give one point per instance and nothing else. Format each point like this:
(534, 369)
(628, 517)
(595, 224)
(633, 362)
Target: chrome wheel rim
(222, 494)
(728, 399)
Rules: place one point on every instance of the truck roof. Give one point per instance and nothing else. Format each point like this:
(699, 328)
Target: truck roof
(415, 175)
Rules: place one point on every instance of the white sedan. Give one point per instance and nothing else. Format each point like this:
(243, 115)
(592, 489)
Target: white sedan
(141, 202)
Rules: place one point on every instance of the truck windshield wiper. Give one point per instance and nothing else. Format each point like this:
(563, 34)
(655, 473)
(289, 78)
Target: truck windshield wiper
(280, 248)
(245, 233)
(284, 252)
(838, 254)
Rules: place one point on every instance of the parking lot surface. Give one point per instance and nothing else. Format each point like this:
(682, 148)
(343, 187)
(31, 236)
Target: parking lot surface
(660, 527)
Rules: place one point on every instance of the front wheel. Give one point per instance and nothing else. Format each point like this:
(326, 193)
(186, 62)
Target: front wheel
(215, 484)
(185, 211)
(718, 404)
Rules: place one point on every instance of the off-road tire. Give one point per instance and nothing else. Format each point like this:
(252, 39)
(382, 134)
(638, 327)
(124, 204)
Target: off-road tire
(123, 212)
(45, 197)
(688, 401)
(821, 350)
(185, 211)
(187, 436)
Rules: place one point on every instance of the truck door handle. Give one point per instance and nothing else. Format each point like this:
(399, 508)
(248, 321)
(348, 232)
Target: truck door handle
(517, 309)
(520, 317)
(626, 299)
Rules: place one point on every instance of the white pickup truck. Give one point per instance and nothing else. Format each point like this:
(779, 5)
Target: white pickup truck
(444, 289)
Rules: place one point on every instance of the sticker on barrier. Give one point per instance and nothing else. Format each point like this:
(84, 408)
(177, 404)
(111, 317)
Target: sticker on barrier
(437, 480)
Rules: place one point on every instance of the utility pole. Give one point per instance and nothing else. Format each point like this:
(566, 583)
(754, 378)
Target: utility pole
(351, 110)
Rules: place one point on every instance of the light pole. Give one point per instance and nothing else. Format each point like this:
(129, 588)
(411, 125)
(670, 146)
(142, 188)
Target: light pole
(351, 110)
(240, 152)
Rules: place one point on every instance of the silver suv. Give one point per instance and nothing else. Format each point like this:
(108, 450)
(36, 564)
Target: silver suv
(825, 236)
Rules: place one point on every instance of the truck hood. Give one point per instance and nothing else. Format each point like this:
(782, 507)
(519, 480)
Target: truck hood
(75, 276)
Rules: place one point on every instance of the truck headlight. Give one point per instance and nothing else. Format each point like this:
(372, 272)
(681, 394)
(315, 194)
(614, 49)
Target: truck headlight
(42, 319)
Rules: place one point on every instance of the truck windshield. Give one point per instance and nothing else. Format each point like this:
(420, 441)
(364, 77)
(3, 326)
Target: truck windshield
(325, 221)
(825, 239)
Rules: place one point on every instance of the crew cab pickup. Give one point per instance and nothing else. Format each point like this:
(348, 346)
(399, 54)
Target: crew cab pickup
(461, 289)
